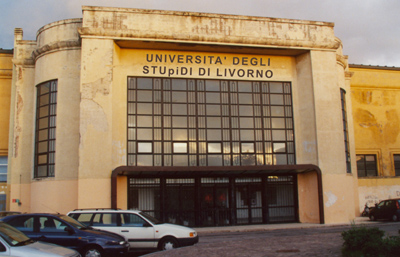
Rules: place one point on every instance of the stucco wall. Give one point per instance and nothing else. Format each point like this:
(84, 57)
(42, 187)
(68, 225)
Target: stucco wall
(375, 93)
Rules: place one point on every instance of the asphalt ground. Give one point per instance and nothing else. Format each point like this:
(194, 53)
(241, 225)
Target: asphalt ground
(317, 242)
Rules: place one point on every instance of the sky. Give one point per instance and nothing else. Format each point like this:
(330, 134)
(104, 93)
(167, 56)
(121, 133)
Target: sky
(368, 29)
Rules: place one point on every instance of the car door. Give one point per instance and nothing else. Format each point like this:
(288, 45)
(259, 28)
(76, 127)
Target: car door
(380, 210)
(138, 231)
(52, 230)
(27, 225)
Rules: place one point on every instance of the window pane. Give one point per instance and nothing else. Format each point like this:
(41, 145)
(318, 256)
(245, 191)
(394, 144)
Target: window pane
(42, 159)
(214, 147)
(144, 96)
(277, 111)
(179, 109)
(145, 147)
(179, 97)
(246, 110)
(212, 85)
(276, 99)
(144, 83)
(179, 135)
(214, 122)
(144, 160)
(245, 98)
(214, 134)
(179, 122)
(180, 147)
(247, 147)
(279, 147)
(213, 98)
(213, 109)
(178, 84)
(145, 134)
(143, 108)
(43, 135)
(144, 121)
(247, 135)
(246, 123)
(180, 160)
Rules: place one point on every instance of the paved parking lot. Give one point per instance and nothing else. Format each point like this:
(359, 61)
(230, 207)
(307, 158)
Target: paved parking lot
(272, 240)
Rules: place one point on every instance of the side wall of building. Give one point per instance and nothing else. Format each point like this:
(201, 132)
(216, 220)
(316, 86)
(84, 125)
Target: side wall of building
(5, 102)
(375, 93)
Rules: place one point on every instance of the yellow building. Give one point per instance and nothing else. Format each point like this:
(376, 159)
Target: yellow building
(5, 98)
(375, 94)
(199, 119)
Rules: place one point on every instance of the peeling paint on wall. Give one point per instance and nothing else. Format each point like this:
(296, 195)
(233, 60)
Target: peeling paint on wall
(119, 153)
(93, 115)
(309, 146)
(331, 199)
(372, 195)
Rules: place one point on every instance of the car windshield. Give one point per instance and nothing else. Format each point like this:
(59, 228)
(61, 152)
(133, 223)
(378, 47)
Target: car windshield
(150, 218)
(13, 236)
(73, 222)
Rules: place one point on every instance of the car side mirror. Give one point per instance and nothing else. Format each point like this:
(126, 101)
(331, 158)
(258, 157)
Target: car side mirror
(69, 230)
(147, 225)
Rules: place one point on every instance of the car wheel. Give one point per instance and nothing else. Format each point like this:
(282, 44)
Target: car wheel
(92, 251)
(395, 218)
(372, 217)
(168, 243)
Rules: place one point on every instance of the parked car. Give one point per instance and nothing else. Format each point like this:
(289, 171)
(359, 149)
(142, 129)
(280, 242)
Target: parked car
(65, 231)
(15, 243)
(142, 230)
(8, 213)
(386, 209)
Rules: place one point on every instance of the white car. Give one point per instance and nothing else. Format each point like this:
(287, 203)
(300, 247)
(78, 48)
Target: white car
(15, 243)
(140, 229)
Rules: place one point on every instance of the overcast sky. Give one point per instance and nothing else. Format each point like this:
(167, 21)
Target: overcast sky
(369, 29)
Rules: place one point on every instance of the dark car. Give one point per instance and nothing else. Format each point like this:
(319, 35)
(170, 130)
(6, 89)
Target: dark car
(386, 209)
(65, 231)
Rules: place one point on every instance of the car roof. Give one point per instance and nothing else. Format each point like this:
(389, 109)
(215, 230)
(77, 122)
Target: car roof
(37, 214)
(103, 210)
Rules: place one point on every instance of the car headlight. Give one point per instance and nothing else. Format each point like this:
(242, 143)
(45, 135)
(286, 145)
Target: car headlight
(192, 234)
(116, 242)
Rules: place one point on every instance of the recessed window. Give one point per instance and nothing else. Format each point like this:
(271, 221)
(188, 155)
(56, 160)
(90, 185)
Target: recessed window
(45, 129)
(199, 122)
(396, 159)
(3, 168)
(366, 165)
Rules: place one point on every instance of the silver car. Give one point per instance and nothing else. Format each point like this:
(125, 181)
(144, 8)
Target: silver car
(15, 243)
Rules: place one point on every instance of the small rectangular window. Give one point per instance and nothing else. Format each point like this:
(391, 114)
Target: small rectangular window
(3, 168)
(396, 159)
(366, 165)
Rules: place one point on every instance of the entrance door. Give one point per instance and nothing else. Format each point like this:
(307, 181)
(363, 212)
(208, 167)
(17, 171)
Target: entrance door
(248, 201)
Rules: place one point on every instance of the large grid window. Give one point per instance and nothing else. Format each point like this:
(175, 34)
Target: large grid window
(45, 129)
(188, 122)
(366, 165)
(396, 159)
(345, 130)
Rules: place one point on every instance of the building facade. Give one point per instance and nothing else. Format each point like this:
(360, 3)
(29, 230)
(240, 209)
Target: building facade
(199, 119)
(5, 98)
(375, 93)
